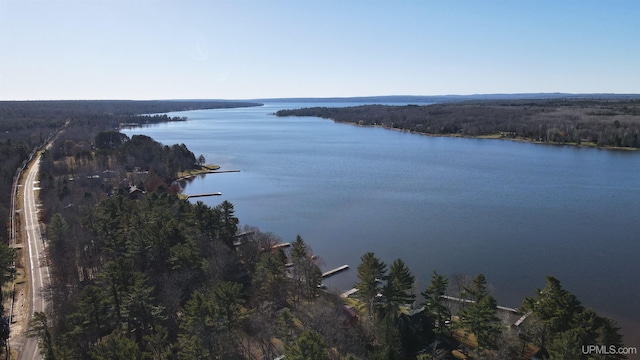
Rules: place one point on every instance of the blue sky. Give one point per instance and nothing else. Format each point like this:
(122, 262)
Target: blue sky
(164, 49)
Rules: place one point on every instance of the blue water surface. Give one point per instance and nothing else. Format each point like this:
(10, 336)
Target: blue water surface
(513, 211)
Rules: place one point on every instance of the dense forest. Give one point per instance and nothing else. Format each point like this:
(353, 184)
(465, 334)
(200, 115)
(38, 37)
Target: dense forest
(153, 276)
(460, 319)
(157, 277)
(592, 122)
(140, 273)
(26, 125)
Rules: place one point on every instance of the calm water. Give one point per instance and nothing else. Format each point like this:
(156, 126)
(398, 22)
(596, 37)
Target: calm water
(513, 211)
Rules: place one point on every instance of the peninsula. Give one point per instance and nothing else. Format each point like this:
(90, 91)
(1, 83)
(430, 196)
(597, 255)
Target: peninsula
(605, 123)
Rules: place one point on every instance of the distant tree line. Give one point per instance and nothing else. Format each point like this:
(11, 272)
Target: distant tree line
(70, 108)
(605, 123)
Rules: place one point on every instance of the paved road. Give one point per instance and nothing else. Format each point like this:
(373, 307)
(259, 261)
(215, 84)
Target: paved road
(38, 270)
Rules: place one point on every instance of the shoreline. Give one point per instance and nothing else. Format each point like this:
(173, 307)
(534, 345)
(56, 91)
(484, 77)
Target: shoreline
(204, 169)
(496, 137)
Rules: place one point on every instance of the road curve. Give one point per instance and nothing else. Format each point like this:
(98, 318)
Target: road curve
(38, 269)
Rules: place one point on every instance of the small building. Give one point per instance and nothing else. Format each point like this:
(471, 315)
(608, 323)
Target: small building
(350, 315)
(135, 192)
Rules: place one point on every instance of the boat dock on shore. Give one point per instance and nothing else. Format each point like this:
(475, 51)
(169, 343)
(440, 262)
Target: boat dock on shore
(221, 171)
(203, 195)
(348, 293)
(334, 271)
(503, 308)
(204, 172)
(282, 245)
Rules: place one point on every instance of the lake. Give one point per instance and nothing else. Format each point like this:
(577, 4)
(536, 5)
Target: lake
(514, 211)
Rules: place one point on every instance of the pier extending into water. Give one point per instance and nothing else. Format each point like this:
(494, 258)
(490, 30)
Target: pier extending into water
(203, 172)
(282, 245)
(509, 316)
(503, 308)
(348, 293)
(203, 195)
(244, 233)
(334, 271)
(221, 171)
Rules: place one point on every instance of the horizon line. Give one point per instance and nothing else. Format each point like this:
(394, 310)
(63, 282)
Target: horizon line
(519, 95)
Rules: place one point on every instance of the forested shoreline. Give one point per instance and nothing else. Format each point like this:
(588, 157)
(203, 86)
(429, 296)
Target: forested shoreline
(609, 123)
(25, 125)
(153, 276)
(139, 273)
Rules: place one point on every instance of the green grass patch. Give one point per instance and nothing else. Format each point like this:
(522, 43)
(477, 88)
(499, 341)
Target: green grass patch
(203, 169)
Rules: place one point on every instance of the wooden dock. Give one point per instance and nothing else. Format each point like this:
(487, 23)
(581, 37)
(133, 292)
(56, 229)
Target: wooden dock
(221, 171)
(193, 175)
(283, 245)
(203, 195)
(244, 233)
(503, 308)
(522, 319)
(348, 293)
(509, 316)
(335, 271)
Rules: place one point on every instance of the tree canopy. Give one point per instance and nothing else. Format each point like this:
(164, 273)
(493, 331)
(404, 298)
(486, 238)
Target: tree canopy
(140, 273)
(601, 122)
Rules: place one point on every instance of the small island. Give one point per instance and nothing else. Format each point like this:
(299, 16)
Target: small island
(603, 123)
